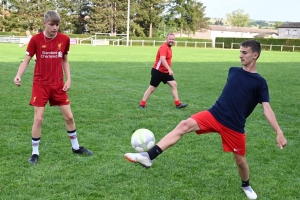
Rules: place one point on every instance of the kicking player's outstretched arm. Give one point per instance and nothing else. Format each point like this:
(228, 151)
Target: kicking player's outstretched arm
(269, 114)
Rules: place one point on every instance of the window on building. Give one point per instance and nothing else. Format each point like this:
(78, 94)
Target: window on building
(295, 32)
(287, 31)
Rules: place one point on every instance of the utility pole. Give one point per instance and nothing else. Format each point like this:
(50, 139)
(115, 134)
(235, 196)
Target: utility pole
(128, 18)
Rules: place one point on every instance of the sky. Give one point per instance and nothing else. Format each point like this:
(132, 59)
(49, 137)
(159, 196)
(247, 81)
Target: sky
(268, 10)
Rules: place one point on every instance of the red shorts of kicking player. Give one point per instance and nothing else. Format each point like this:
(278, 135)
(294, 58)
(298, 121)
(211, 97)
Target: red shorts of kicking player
(232, 141)
(41, 94)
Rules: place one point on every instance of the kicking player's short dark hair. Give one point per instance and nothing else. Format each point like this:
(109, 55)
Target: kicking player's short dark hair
(254, 45)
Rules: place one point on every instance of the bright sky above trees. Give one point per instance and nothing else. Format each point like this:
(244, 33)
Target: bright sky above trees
(268, 10)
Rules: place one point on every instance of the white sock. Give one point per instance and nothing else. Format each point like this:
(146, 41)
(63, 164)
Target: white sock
(73, 138)
(35, 145)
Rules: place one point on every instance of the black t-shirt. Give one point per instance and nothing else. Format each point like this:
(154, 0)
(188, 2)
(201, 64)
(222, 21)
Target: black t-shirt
(242, 92)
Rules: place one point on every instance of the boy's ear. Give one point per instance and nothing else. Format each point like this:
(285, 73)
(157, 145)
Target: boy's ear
(255, 55)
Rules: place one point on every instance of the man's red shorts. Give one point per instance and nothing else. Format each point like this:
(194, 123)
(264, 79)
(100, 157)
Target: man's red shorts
(41, 94)
(232, 141)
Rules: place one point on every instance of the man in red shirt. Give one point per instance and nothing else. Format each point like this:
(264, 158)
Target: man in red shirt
(162, 72)
(51, 49)
(26, 42)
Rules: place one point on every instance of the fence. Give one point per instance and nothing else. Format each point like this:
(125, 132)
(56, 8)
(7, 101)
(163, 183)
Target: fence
(176, 43)
(122, 42)
(271, 47)
(11, 39)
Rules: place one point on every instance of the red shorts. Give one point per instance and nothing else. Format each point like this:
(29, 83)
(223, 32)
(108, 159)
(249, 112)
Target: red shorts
(41, 94)
(232, 141)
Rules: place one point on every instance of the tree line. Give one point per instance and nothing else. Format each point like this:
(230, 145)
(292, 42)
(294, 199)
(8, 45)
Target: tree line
(148, 18)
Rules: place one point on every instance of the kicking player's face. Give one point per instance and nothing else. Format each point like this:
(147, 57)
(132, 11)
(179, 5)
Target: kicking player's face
(247, 56)
(51, 28)
(170, 40)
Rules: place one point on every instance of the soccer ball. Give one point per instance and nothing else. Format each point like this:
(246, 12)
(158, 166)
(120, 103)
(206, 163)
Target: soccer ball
(20, 45)
(142, 140)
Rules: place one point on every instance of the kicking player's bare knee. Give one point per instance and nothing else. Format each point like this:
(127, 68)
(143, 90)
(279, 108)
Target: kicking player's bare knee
(184, 126)
(241, 162)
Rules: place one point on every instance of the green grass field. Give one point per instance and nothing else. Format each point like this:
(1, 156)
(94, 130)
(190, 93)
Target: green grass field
(107, 85)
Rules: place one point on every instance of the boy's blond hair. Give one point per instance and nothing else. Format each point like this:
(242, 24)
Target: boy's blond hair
(52, 16)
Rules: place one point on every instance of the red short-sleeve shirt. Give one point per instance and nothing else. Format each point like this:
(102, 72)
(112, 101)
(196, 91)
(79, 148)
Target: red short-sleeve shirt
(49, 57)
(164, 50)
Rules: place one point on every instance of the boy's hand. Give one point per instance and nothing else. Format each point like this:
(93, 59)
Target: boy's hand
(17, 80)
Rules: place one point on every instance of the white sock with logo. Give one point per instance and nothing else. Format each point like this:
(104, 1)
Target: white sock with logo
(73, 138)
(35, 145)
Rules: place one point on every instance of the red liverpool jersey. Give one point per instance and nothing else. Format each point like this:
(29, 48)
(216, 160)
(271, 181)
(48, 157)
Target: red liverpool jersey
(49, 57)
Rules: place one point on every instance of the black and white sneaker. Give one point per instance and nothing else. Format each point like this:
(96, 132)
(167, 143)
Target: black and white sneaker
(33, 159)
(82, 150)
(182, 105)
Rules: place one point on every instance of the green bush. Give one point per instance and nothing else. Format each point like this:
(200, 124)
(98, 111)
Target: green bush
(264, 42)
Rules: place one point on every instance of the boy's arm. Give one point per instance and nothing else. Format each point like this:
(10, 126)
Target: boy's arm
(269, 114)
(66, 68)
(23, 66)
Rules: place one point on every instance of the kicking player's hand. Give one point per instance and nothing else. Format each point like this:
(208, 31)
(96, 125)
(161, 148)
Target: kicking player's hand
(17, 80)
(281, 141)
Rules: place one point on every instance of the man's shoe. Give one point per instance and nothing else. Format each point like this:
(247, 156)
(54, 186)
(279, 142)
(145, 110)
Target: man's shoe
(82, 150)
(142, 106)
(141, 158)
(33, 159)
(249, 192)
(182, 105)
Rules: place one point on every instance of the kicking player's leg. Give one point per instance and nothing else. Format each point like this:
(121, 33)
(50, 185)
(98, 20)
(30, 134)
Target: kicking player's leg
(244, 174)
(146, 158)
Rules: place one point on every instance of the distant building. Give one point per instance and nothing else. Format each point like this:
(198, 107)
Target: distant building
(215, 31)
(267, 35)
(289, 30)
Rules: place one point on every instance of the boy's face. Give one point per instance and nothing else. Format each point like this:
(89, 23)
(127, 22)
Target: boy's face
(51, 28)
(247, 56)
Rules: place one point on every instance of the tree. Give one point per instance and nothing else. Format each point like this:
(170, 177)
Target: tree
(219, 22)
(74, 14)
(108, 17)
(238, 18)
(28, 15)
(149, 15)
(188, 15)
(277, 24)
